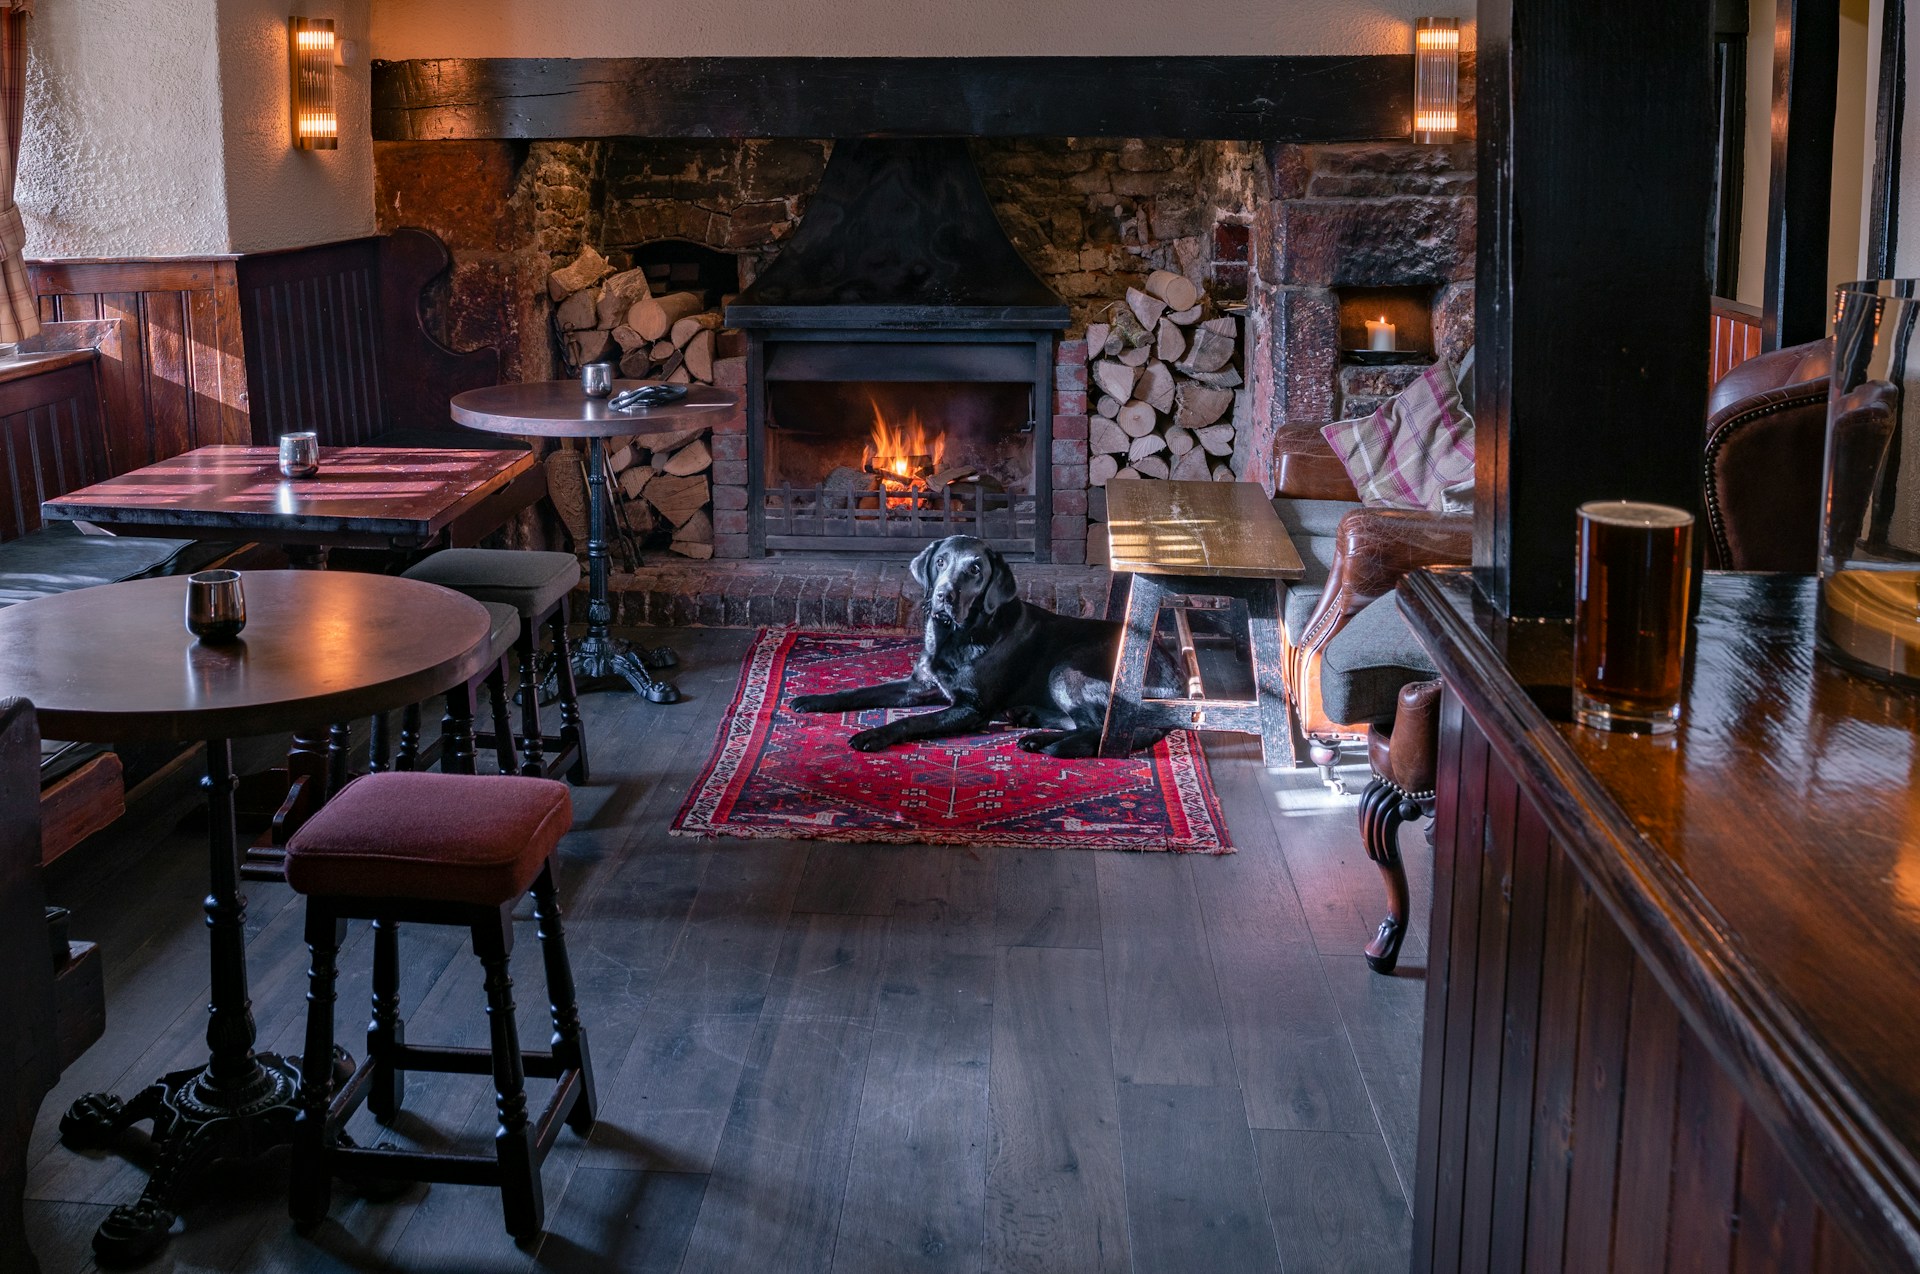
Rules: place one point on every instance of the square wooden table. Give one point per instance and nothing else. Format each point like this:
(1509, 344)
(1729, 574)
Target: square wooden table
(1170, 540)
(363, 497)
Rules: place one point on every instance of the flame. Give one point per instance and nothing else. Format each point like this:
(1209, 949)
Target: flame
(908, 450)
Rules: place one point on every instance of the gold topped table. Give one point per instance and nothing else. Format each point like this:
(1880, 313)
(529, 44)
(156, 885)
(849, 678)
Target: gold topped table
(1170, 540)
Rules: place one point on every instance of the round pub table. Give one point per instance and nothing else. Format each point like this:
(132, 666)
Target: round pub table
(561, 409)
(115, 664)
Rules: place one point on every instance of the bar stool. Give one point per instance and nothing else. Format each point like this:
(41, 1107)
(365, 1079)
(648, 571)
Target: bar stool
(535, 584)
(450, 849)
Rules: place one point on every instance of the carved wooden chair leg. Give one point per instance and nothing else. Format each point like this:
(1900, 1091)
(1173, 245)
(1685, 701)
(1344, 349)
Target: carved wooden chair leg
(1403, 755)
(504, 751)
(1383, 808)
(407, 756)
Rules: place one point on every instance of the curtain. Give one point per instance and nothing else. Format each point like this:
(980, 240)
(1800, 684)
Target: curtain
(19, 317)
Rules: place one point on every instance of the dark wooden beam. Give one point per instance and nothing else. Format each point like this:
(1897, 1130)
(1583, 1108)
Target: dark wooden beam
(1806, 82)
(1883, 216)
(1596, 149)
(1293, 99)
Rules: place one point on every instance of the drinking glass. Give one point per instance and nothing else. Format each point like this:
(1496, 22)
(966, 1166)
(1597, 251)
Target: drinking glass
(1631, 575)
(299, 455)
(216, 605)
(1869, 612)
(596, 379)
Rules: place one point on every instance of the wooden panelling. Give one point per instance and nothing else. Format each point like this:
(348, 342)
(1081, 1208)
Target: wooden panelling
(313, 356)
(51, 435)
(1736, 335)
(168, 330)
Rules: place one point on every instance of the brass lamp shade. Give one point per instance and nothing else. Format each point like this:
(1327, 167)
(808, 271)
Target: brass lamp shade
(316, 125)
(1436, 80)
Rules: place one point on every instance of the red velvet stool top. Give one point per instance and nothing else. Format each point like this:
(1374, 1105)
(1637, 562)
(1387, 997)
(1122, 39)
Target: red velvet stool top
(473, 838)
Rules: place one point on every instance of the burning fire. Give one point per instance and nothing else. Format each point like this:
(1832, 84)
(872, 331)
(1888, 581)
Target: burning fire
(905, 453)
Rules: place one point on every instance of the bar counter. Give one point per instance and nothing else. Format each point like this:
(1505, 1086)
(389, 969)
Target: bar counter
(1673, 1000)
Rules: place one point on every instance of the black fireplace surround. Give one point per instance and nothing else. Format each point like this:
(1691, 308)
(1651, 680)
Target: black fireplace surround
(900, 272)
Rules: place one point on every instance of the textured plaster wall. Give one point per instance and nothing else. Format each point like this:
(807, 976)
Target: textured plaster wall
(121, 150)
(279, 197)
(160, 128)
(894, 28)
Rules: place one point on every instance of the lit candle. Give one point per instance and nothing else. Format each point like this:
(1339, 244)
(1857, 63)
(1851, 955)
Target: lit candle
(1380, 333)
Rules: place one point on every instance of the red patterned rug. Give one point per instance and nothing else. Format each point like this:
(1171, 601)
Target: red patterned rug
(787, 775)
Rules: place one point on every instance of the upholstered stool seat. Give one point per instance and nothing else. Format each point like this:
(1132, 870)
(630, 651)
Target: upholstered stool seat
(536, 585)
(532, 582)
(504, 632)
(445, 837)
(446, 849)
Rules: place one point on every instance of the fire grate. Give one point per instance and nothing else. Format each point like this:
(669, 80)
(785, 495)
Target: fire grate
(877, 520)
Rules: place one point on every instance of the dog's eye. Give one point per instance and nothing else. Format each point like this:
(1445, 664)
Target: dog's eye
(973, 568)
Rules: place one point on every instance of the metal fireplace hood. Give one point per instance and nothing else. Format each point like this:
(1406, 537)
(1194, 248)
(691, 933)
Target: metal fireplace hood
(900, 235)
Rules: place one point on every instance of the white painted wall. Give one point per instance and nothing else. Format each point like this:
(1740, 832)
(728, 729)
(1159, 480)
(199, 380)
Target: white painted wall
(895, 28)
(160, 128)
(120, 153)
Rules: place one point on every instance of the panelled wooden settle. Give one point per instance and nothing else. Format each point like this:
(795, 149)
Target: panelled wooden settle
(1669, 1019)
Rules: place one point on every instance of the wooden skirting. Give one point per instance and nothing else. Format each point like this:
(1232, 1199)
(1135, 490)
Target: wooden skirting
(172, 369)
(1293, 99)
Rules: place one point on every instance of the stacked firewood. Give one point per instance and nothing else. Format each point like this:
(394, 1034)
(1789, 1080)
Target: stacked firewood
(658, 490)
(1162, 379)
(641, 318)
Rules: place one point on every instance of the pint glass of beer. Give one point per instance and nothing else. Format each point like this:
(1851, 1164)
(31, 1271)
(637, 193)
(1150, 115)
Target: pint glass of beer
(1630, 615)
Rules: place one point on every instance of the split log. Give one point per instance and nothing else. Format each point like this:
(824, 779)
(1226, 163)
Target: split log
(1169, 342)
(1128, 472)
(628, 339)
(1100, 468)
(1135, 420)
(670, 442)
(699, 351)
(1179, 441)
(1217, 439)
(1225, 378)
(576, 313)
(1104, 435)
(677, 499)
(1176, 291)
(1192, 467)
(1185, 317)
(636, 364)
(1199, 405)
(697, 530)
(1115, 378)
(1108, 406)
(623, 458)
(1097, 338)
(1156, 386)
(1213, 345)
(587, 269)
(679, 376)
(654, 316)
(1113, 346)
(633, 481)
(1147, 309)
(587, 347)
(1128, 329)
(684, 329)
(1223, 473)
(1136, 357)
(686, 548)
(618, 294)
(666, 368)
(1151, 467)
(690, 459)
(1151, 444)
(662, 350)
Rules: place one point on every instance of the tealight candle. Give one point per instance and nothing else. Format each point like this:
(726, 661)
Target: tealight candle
(1380, 334)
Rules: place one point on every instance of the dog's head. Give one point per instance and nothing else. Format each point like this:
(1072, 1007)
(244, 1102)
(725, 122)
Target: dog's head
(964, 580)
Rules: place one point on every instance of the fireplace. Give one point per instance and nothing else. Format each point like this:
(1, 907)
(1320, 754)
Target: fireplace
(900, 359)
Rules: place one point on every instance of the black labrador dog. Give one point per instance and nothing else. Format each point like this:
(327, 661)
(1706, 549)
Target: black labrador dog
(992, 657)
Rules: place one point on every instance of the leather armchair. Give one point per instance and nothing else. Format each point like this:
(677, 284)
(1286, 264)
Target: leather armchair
(1765, 451)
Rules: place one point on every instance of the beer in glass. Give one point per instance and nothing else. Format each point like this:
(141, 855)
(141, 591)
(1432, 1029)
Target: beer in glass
(1634, 566)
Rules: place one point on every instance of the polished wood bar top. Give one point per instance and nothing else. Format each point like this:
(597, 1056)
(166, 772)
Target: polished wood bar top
(1197, 528)
(115, 663)
(396, 493)
(1764, 860)
(561, 409)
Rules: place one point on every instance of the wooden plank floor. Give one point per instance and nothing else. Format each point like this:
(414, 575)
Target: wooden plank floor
(833, 1057)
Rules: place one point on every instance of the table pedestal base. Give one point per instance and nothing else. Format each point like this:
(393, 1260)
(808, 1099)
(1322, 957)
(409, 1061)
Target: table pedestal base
(598, 657)
(197, 1121)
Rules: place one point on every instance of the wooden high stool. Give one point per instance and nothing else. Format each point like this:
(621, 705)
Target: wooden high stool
(1169, 541)
(449, 849)
(536, 584)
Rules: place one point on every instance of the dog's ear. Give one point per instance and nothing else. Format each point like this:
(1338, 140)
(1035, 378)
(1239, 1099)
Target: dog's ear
(921, 568)
(1000, 586)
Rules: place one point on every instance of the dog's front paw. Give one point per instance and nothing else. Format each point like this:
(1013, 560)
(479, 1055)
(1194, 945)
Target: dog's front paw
(877, 739)
(1038, 740)
(810, 703)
